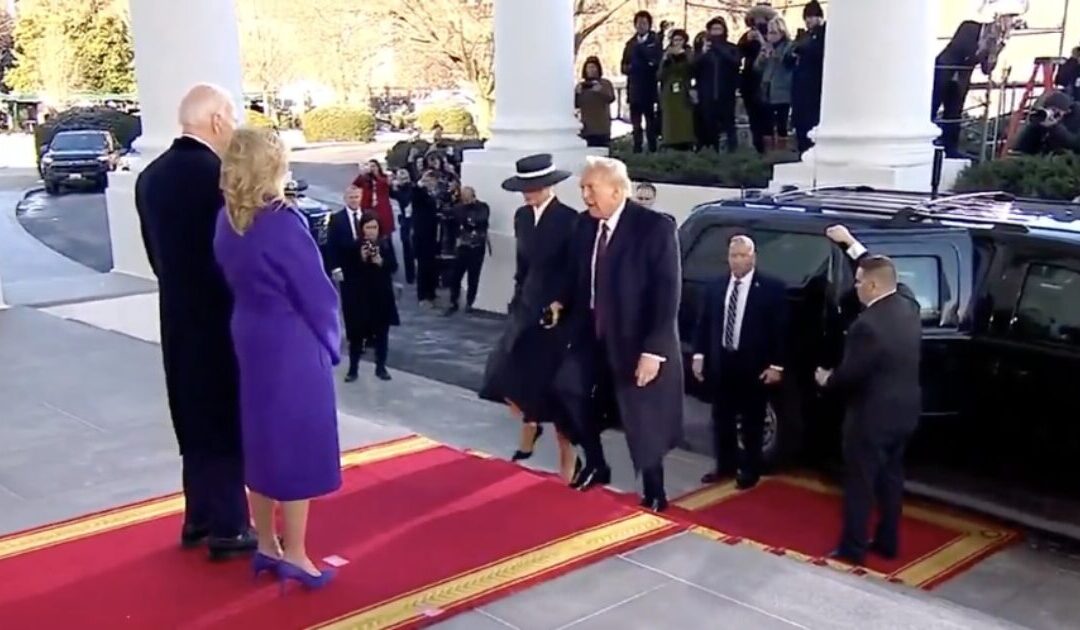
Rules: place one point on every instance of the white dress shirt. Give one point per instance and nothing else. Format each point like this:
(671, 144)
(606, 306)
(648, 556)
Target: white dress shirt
(745, 283)
(538, 211)
(611, 222)
(200, 141)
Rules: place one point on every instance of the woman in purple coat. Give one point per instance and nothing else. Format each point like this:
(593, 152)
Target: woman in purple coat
(287, 336)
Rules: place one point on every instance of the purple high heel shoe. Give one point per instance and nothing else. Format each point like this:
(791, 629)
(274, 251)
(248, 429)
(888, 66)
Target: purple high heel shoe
(262, 562)
(287, 571)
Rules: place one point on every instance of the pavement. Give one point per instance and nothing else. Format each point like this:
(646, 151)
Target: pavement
(84, 427)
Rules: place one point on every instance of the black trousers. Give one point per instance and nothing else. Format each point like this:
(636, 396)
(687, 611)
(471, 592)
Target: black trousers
(645, 122)
(714, 119)
(467, 264)
(408, 256)
(597, 139)
(380, 342)
(214, 494)
(427, 274)
(760, 118)
(873, 472)
(778, 120)
(949, 96)
(739, 412)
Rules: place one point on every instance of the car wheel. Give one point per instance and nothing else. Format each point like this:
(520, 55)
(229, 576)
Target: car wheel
(783, 427)
(52, 188)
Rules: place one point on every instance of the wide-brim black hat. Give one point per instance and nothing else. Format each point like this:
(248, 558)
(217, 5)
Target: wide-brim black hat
(534, 173)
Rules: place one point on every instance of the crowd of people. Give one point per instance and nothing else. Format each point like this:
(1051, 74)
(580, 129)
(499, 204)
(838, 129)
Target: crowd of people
(682, 91)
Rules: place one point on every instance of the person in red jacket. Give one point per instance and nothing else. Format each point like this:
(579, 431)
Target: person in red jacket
(375, 186)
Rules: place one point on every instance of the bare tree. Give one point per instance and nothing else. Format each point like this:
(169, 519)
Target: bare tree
(339, 42)
(461, 32)
(267, 45)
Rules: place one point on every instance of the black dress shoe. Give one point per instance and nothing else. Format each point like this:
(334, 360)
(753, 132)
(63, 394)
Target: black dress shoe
(592, 477)
(351, 376)
(382, 374)
(228, 548)
(655, 504)
(843, 556)
(579, 467)
(192, 536)
(881, 551)
(717, 476)
(745, 482)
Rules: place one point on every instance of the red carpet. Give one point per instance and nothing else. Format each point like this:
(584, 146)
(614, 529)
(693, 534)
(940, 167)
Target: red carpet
(428, 531)
(801, 517)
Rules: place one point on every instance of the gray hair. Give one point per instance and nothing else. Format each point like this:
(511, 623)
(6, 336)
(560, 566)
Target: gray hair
(615, 170)
(742, 239)
(201, 102)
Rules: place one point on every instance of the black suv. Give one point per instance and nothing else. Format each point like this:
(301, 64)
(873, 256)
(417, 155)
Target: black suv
(998, 279)
(317, 213)
(79, 158)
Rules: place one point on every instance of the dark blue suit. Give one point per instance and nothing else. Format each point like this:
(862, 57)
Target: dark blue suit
(733, 375)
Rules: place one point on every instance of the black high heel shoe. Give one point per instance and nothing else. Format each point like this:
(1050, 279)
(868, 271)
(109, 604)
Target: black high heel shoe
(520, 455)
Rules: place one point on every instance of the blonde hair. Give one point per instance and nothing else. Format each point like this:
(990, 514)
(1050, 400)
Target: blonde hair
(252, 174)
(780, 26)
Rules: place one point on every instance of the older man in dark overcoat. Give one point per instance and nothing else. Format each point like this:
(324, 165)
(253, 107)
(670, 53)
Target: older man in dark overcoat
(178, 198)
(621, 308)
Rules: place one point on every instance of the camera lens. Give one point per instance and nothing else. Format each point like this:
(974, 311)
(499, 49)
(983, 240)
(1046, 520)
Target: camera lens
(1039, 116)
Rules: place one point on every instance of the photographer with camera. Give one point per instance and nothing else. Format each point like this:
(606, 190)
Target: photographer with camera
(593, 98)
(1052, 128)
(751, 45)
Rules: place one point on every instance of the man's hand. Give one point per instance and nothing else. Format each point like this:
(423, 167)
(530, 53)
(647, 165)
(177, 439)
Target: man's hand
(337, 275)
(771, 376)
(822, 376)
(698, 368)
(647, 369)
(840, 235)
(556, 310)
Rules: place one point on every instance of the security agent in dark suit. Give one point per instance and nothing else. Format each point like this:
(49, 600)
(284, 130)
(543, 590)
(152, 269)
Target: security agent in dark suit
(640, 63)
(878, 378)
(178, 199)
(621, 305)
(739, 353)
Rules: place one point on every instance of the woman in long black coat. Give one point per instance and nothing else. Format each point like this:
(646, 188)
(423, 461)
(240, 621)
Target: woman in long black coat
(367, 293)
(522, 367)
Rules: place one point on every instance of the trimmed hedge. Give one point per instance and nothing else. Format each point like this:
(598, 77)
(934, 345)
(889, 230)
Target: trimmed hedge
(338, 124)
(1055, 177)
(258, 120)
(455, 119)
(742, 169)
(125, 127)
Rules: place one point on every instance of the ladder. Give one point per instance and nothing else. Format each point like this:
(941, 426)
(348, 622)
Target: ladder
(1048, 67)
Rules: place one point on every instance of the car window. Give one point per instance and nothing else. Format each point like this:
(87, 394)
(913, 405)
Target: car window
(790, 257)
(922, 274)
(1049, 306)
(78, 142)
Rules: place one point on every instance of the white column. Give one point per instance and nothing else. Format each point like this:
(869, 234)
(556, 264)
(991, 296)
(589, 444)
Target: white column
(177, 45)
(875, 113)
(534, 113)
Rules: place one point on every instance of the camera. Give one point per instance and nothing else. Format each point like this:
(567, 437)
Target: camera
(1039, 116)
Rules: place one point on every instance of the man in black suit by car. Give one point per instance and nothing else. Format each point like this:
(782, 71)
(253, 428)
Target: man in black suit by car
(178, 198)
(878, 378)
(739, 354)
(621, 304)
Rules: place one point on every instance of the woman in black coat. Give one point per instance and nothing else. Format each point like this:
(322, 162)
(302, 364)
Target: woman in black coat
(370, 292)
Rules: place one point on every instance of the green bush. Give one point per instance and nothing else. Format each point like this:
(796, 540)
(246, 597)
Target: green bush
(125, 127)
(1054, 177)
(454, 118)
(259, 120)
(742, 169)
(338, 124)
